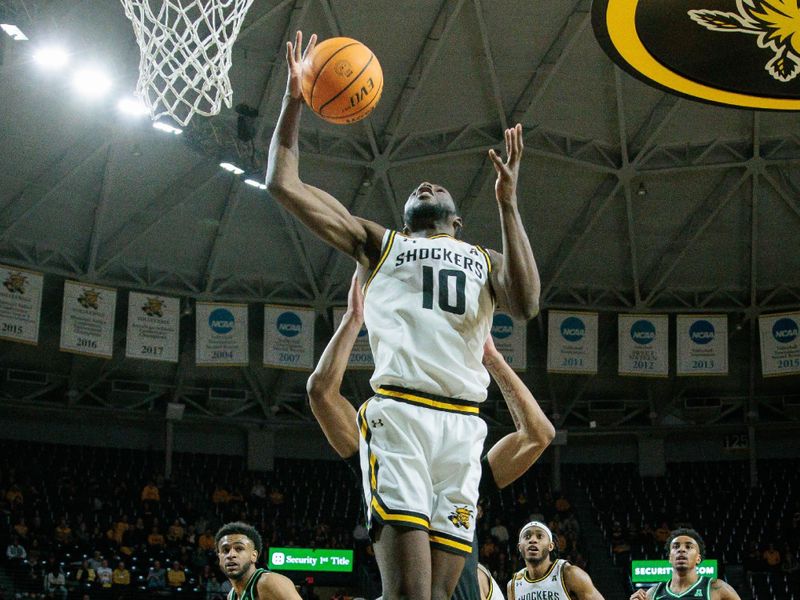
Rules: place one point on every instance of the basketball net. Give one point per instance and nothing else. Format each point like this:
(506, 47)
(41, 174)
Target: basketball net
(185, 54)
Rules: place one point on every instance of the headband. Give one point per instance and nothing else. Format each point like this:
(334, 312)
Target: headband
(540, 525)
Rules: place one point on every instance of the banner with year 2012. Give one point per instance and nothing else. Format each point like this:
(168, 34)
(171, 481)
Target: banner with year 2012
(702, 344)
(20, 304)
(153, 325)
(289, 337)
(221, 335)
(510, 337)
(643, 345)
(780, 344)
(572, 342)
(87, 319)
(361, 354)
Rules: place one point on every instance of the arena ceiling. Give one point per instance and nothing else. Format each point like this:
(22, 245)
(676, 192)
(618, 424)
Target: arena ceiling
(634, 199)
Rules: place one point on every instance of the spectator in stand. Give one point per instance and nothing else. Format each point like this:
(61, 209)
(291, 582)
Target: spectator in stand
(206, 541)
(120, 579)
(562, 505)
(150, 492)
(63, 532)
(14, 496)
(258, 492)
(176, 576)
(570, 525)
(661, 534)
(83, 537)
(175, 533)
(85, 575)
(155, 541)
(105, 576)
(499, 531)
(55, 584)
(772, 557)
(789, 564)
(33, 577)
(220, 495)
(21, 529)
(213, 588)
(276, 496)
(119, 529)
(156, 577)
(15, 553)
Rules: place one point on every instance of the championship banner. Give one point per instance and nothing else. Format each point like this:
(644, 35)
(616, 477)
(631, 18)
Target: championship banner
(510, 338)
(289, 337)
(361, 355)
(572, 342)
(702, 344)
(20, 304)
(153, 325)
(780, 344)
(221, 335)
(643, 345)
(87, 319)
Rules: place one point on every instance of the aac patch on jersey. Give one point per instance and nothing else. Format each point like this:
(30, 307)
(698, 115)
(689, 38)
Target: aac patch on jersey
(742, 53)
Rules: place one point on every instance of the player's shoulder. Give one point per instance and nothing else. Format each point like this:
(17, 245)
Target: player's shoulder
(271, 585)
(721, 590)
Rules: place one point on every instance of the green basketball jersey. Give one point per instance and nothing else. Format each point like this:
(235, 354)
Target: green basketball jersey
(250, 589)
(701, 590)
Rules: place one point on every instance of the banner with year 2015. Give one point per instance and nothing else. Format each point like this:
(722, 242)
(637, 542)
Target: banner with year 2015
(289, 337)
(702, 344)
(20, 304)
(572, 342)
(510, 337)
(221, 335)
(361, 354)
(153, 325)
(87, 319)
(780, 344)
(643, 345)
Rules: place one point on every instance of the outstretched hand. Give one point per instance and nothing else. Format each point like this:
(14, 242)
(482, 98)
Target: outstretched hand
(508, 172)
(294, 59)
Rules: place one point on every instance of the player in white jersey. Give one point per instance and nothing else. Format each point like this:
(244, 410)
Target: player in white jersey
(543, 577)
(490, 589)
(421, 496)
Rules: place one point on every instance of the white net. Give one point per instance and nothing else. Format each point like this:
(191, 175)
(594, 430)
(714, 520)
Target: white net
(185, 54)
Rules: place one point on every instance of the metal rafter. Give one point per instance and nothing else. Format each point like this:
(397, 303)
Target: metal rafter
(497, 95)
(99, 214)
(231, 203)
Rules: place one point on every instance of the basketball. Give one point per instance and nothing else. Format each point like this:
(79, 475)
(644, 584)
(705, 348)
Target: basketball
(342, 80)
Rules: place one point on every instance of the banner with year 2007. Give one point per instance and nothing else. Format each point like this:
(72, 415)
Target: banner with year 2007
(20, 304)
(361, 354)
(572, 342)
(87, 319)
(780, 344)
(510, 336)
(702, 344)
(289, 337)
(221, 335)
(643, 345)
(153, 324)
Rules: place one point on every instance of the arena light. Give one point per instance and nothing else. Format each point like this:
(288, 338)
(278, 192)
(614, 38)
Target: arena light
(51, 57)
(132, 106)
(14, 32)
(255, 184)
(91, 82)
(231, 167)
(161, 126)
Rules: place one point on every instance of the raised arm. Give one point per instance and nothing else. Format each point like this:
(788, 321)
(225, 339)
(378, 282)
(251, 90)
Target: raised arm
(515, 279)
(335, 414)
(323, 214)
(513, 454)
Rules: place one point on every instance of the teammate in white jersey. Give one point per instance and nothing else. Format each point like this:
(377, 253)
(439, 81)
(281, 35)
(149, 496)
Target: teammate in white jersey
(544, 578)
(420, 446)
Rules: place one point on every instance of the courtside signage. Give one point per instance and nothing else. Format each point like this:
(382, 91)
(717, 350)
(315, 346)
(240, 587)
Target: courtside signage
(780, 344)
(308, 559)
(702, 344)
(221, 331)
(643, 345)
(510, 337)
(654, 571)
(87, 319)
(289, 337)
(20, 304)
(153, 325)
(572, 342)
(361, 354)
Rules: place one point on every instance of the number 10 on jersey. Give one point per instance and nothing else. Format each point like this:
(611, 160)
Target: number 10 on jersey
(451, 282)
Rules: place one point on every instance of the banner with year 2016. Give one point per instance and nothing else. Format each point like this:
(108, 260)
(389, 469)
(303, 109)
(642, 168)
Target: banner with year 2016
(780, 344)
(153, 325)
(702, 344)
(572, 342)
(289, 337)
(87, 319)
(643, 345)
(361, 354)
(510, 337)
(20, 304)
(221, 335)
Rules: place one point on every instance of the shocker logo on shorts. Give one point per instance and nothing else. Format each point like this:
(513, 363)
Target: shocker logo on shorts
(460, 516)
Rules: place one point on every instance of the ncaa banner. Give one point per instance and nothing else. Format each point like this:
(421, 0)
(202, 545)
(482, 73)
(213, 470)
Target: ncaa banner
(20, 304)
(780, 344)
(87, 319)
(221, 335)
(289, 337)
(702, 344)
(153, 325)
(361, 355)
(510, 336)
(643, 345)
(572, 342)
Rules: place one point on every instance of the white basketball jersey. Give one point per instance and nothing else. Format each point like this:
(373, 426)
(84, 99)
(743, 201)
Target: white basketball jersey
(495, 592)
(428, 308)
(549, 587)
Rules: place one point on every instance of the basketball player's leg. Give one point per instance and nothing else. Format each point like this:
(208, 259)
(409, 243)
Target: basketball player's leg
(445, 570)
(404, 560)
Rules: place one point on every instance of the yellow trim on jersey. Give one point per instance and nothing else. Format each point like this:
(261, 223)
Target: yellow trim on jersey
(543, 577)
(414, 399)
(384, 255)
(451, 543)
(564, 585)
(361, 413)
(487, 257)
(396, 518)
